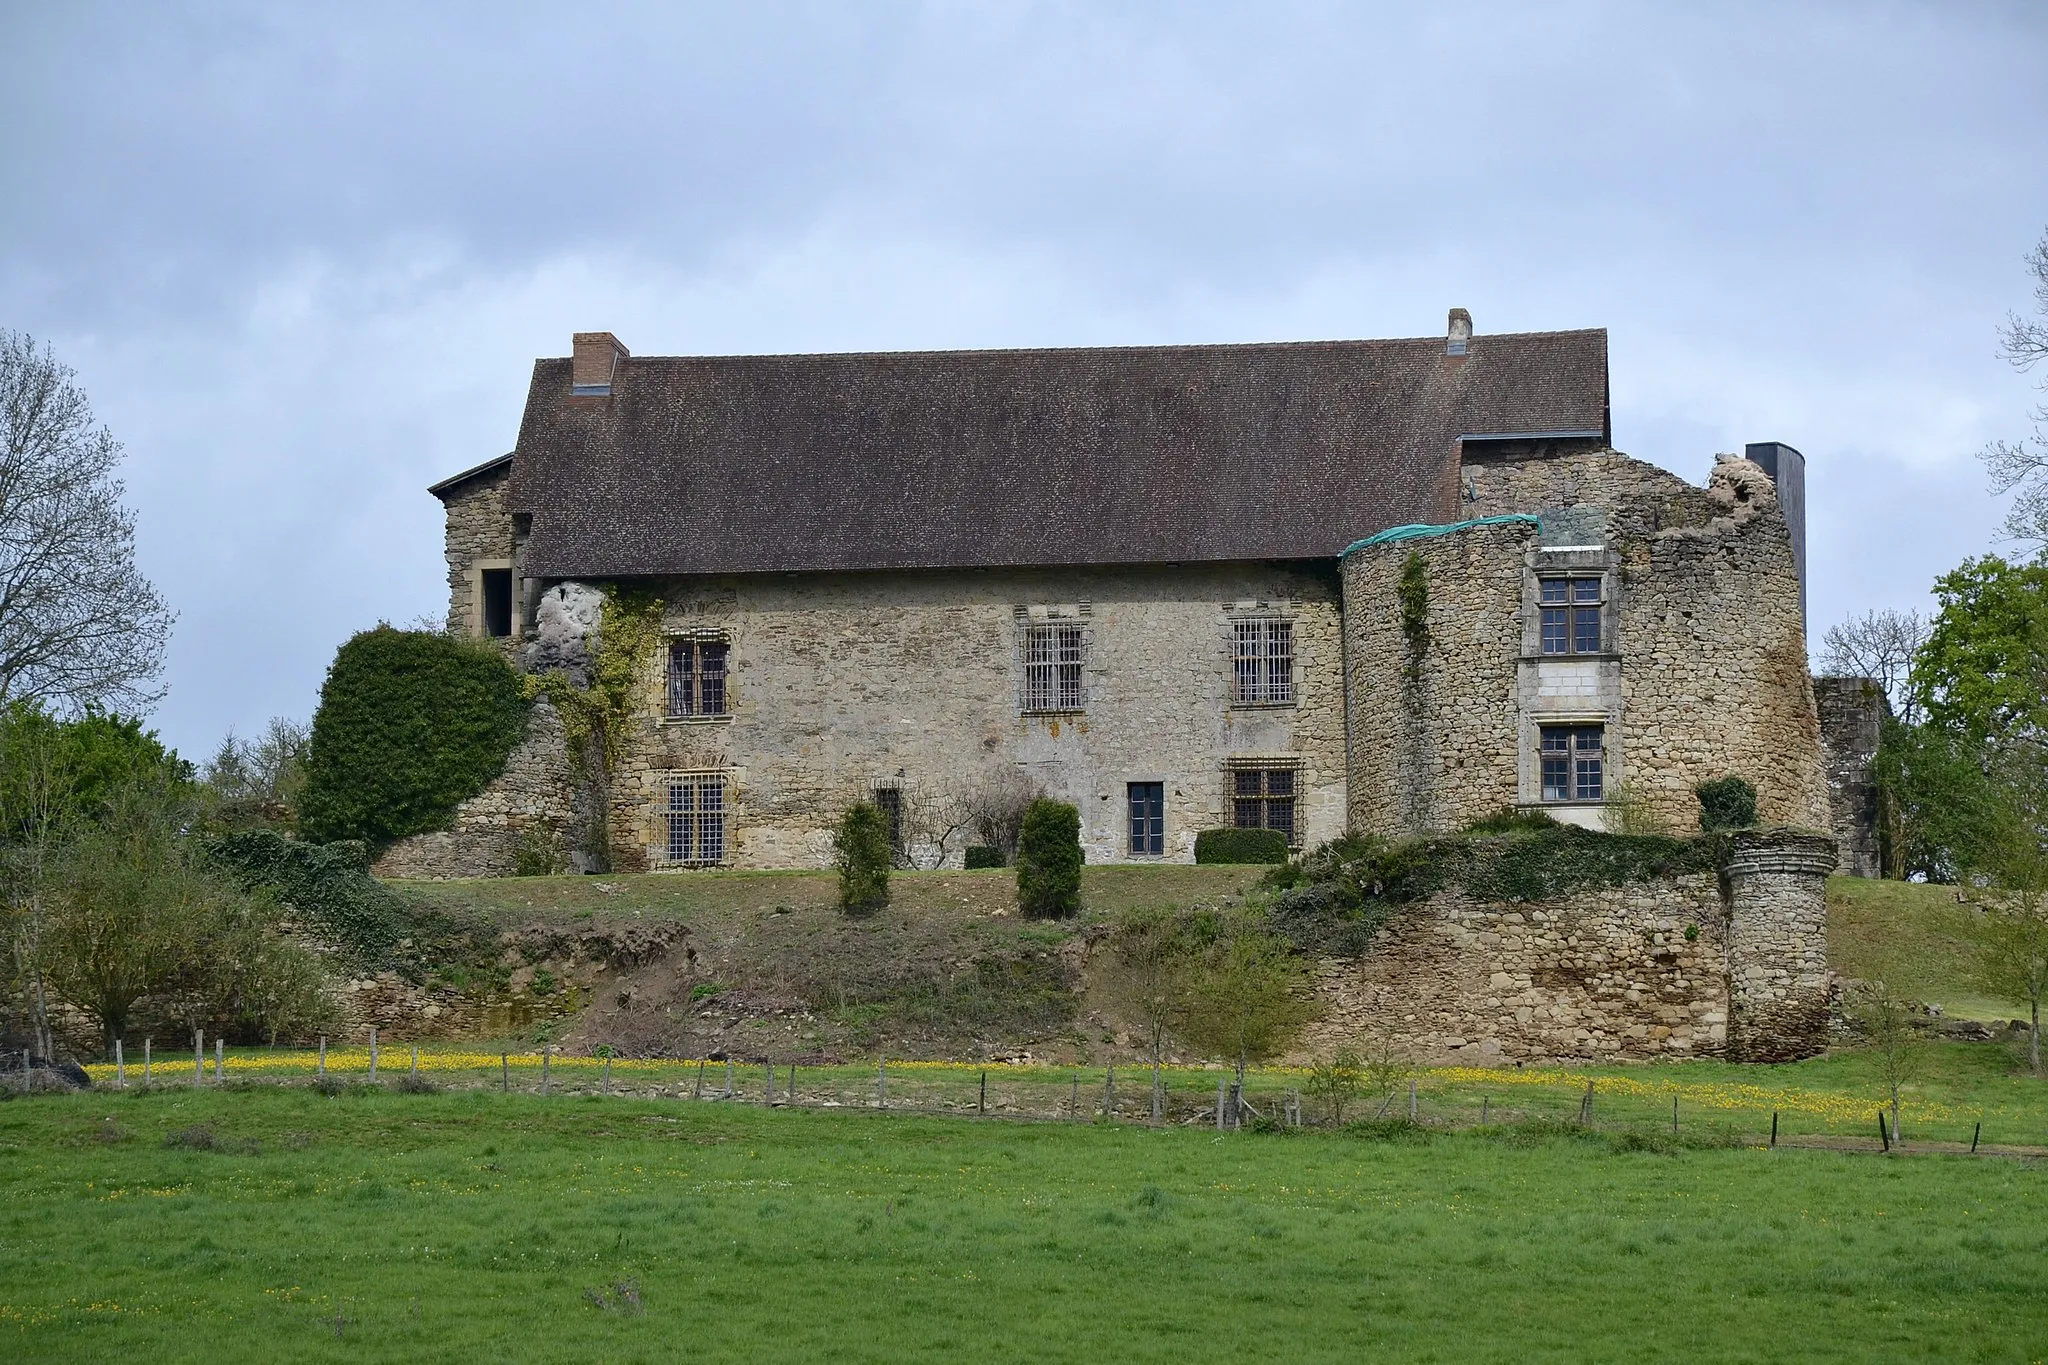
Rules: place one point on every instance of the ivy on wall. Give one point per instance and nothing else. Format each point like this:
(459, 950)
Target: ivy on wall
(598, 719)
(1414, 597)
(410, 725)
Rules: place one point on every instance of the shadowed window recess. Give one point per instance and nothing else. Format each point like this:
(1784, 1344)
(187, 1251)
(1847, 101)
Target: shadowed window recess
(497, 602)
(1263, 798)
(1574, 762)
(696, 677)
(1571, 615)
(695, 817)
(1263, 662)
(1052, 668)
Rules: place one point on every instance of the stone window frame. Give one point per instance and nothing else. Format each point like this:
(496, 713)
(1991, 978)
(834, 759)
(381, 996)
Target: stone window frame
(666, 809)
(474, 617)
(1030, 620)
(669, 640)
(1267, 764)
(1235, 619)
(1574, 728)
(1570, 561)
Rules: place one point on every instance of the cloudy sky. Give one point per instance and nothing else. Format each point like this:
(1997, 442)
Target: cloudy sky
(302, 257)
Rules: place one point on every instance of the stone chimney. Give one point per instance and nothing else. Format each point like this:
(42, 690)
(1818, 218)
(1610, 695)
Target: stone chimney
(1460, 332)
(594, 359)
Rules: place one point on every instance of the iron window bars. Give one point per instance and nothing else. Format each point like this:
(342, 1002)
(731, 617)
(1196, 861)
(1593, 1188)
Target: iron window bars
(1052, 668)
(695, 816)
(1263, 662)
(696, 677)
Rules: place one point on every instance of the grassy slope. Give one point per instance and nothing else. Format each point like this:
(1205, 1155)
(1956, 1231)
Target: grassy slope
(1914, 938)
(470, 1227)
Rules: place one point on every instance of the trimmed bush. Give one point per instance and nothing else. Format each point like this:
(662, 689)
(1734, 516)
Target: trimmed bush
(983, 855)
(1726, 803)
(861, 849)
(1049, 861)
(410, 725)
(1240, 846)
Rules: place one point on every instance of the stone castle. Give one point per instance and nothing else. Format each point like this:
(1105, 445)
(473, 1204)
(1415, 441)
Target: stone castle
(1390, 586)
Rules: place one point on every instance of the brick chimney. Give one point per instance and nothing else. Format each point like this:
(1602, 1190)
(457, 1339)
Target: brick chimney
(1460, 332)
(594, 359)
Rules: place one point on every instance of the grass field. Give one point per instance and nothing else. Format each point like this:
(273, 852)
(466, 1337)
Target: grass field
(1918, 940)
(282, 1224)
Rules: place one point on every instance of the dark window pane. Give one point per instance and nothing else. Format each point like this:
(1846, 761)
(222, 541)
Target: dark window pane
(1553, 589)
(1280, 782)
(1585, 590)
(1250, 814)
(497, 602)
(1248, 783)
(1586, 630)
(1148, 817)
(1555, 639)
(891, 802)
(1280, 816)
(711, 679)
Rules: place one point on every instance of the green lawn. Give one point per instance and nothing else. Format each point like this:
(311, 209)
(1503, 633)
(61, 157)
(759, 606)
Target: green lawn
(476, 1225)
(1917, 939)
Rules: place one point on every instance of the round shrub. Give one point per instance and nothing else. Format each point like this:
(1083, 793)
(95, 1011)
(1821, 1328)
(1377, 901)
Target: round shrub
(861, 849)
(410, 726)
(1049, 861)
(983, 855)
(1726, 803)
(1240, 846)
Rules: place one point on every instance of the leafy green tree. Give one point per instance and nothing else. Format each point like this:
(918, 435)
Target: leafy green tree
(1049, 861)
(1934, 800)
(1983, 671)
(410, 725)
(1336, 1081)
(2010, 863)
(860, 848)
(1245, 998)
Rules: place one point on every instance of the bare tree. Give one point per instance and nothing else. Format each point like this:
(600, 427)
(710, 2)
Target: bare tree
(1887, 1023)
(258, 782)
(995, 809)
(79, 625)
(2021, 467)
(930, 823)
(1879, 645)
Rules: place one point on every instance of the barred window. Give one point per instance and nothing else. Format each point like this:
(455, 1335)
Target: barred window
(1052, 668)
(1574, 762)
(695, 814)
(696, 677)
(889, 800)
(1263, 798)
(1264, 662)
(1571, 615)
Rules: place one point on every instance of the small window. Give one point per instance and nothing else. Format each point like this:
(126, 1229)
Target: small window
(1148, 817)
(1571, 615)
(1052, 668)
(1574, 762)
(890, 801)
(1263, 665)
(696, 677)
(497, 602)
(1263, 798)
(695, 815)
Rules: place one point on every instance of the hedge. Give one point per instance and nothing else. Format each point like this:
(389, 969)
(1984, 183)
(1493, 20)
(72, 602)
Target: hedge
(1049, 861)
(1240, 846)
(410, 725)
(1726, 803)
(861, 851)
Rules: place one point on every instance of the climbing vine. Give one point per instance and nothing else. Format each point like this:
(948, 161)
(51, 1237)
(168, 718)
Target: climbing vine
(1414, 595)
(597, 720)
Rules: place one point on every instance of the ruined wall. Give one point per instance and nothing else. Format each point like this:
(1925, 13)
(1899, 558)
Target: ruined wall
(1682, 966)
(1852, 712)
(478, 531)
(838, 681)
(1703, 671)
(531, 803)
(1434, 737)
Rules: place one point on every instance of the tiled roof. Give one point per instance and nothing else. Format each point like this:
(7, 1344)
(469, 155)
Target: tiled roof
(958, 459)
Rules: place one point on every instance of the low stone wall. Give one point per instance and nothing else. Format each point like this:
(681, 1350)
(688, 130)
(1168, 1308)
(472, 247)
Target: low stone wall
(1699, 964)
(532, 800)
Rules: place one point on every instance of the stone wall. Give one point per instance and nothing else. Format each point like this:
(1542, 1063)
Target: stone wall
(1703, 671)
(1852, 712)
(841, 682)
(530, 804)
(478, 532)
(1678, 967)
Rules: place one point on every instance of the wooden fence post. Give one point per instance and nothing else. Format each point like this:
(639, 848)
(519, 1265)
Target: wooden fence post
(1155, 1090)
(1413, 1110)
(981, 1105)
(323, 1054)
(1109, 1092)
(373, 1054)
(217, 1059)
(504, 1073)
(120, 1066)
(1976, 1133)
(768, 1069)
(199, 1056)
(698, 1092)
(1074, 1100)
(146, 1042)
(1674, 1116)
(544, 1051)
(882, 1083)
(607, 1073)
(1774, 1128)
(1483, 1101)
